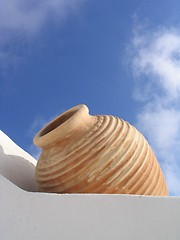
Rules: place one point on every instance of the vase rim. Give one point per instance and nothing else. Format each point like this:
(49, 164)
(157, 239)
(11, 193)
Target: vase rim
(49, 131)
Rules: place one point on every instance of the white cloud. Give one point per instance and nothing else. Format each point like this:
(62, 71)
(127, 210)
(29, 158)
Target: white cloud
(22, 20)
(29, 16)
(156, 67)
(162, 125)
(158, 55)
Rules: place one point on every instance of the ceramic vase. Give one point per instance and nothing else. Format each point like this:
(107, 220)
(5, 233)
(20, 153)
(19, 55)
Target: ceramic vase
(96, 154)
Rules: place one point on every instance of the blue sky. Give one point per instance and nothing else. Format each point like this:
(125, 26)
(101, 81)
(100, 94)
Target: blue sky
(117, 57)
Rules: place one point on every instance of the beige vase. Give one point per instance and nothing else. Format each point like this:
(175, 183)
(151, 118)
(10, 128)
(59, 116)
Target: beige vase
(96, 154)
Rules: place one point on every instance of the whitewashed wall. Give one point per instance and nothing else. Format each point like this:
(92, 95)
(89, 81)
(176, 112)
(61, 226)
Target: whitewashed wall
(30, 215)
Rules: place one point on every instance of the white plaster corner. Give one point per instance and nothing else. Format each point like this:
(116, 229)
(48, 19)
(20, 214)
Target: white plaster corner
(16, 165)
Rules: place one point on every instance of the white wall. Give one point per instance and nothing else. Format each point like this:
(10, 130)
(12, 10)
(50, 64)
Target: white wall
(30, 215)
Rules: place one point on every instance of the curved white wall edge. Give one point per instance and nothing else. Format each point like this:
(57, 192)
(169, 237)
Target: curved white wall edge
(16, 164)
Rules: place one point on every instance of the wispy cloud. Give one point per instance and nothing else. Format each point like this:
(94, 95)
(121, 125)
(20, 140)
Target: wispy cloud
(21, 20)
(38, 123)
(30, 16)
(156, 66)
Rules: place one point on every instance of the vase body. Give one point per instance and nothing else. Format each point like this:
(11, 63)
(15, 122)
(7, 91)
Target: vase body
(96, 154)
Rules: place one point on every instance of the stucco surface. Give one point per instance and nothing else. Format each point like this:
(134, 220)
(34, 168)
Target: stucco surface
(31, 215)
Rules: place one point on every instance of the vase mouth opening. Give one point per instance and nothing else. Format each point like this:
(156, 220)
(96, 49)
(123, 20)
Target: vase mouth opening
(58, 124)
(58, 121)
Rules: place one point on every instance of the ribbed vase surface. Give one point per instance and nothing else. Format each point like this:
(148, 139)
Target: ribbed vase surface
(96, 154)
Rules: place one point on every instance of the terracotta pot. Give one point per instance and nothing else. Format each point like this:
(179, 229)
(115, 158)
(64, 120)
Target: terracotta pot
(96, 154)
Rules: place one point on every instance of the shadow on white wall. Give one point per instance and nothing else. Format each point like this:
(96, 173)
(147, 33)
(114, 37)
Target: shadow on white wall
(17, 170)
(16, 165)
